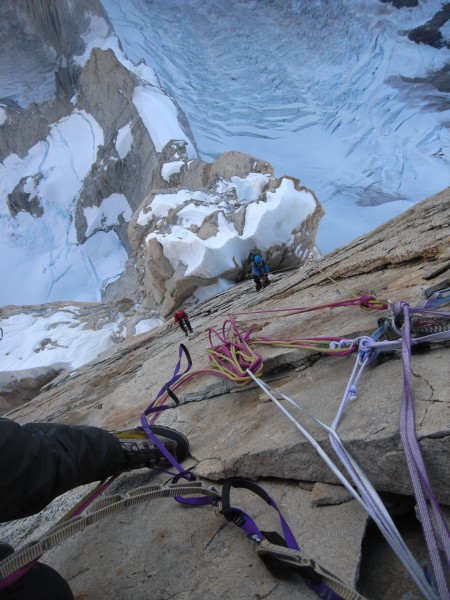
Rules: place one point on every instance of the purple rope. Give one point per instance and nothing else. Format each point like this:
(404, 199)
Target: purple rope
(151, 408)
(173, 461)
(175, 377)
(248, 525)
(362, 301)
(435, 299)
(416, 466)
(251, 529)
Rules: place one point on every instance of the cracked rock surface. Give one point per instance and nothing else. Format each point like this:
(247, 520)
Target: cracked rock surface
(166, 550)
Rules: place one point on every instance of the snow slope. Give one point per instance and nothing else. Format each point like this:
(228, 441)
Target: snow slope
(41, 259)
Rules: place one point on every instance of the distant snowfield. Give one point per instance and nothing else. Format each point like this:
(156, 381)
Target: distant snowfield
(33, 341)
(41, 260)
(318, 89)
(333, 93)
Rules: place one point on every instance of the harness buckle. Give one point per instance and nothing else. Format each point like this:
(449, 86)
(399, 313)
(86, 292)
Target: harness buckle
(280, 558)
(233, 516)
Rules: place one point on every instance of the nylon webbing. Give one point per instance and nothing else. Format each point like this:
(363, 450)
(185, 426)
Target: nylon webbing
(288, 555)
(265, 548)
(369, 499)
(101, 509)
(433, 523)
(325, 583)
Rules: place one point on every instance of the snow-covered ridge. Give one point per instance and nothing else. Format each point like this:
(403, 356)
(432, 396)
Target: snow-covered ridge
(38, 252)
(350, 123)
(64, 210)
(60, 337)
(38, 342)
(266, 222)
(201, 236)
(44, 257)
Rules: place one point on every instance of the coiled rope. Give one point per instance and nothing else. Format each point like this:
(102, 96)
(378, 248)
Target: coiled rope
(232, 353)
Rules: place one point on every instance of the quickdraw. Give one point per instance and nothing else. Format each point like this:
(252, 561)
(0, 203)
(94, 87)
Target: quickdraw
(282, 554)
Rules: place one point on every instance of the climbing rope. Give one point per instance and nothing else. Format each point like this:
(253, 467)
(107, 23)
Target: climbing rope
(364, 302)
(433, 523)
(367, 497)
(232, 353)
(435, 529)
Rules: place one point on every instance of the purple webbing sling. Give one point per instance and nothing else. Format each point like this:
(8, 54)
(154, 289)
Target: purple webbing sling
(248, 525)
(433, 522)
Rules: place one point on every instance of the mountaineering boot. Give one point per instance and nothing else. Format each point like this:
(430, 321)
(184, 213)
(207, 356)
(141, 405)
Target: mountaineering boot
(141, 452)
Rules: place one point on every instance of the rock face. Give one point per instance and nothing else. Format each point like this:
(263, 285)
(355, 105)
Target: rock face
(238, 431)
(430, 33)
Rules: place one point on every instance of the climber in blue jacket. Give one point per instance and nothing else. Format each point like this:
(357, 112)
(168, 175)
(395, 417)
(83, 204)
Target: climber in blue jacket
(260, 272)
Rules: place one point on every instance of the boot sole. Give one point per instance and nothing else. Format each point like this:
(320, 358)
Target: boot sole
(166, 433)
(182, 448)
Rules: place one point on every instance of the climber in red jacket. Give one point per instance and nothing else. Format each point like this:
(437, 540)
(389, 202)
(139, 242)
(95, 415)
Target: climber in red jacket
(182, 319)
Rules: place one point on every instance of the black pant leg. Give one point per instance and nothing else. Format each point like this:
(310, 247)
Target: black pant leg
(41, 582)
(40, 461)
(257, 282)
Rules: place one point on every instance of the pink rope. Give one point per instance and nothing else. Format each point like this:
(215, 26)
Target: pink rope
(369, 302)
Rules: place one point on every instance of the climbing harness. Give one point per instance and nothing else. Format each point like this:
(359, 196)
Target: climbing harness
(17, 564)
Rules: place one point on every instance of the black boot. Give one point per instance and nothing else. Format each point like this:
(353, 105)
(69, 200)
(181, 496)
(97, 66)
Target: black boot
(140, 451)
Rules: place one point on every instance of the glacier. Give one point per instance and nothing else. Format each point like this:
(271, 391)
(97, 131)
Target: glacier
(331, 92)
